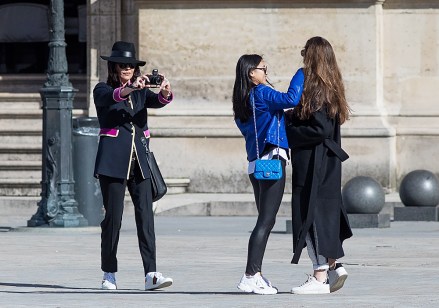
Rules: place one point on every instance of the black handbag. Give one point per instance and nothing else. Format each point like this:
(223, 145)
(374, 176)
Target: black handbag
(159, 187)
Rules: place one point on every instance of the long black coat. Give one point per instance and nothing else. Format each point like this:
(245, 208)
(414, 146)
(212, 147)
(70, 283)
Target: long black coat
(122, 128)
(317, 202)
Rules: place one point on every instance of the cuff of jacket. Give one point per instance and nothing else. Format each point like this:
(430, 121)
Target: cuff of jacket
(164, 100)
(116, 95)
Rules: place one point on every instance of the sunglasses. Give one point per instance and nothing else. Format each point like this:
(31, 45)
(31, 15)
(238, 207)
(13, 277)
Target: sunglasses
(262, 68)
(126, 65)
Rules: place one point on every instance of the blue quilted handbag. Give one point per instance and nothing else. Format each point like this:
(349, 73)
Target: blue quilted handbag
(268, 169)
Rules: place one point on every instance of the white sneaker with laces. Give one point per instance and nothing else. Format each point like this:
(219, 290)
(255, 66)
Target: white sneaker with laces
(337, 277)
(256, 284)
(267, 281)
(155, 280)
(312, 286)
(109, 281)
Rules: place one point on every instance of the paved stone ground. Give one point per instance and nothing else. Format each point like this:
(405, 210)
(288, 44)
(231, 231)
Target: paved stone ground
(389, 267)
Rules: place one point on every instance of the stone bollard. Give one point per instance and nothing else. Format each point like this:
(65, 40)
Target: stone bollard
(419, 192)
(364, 198)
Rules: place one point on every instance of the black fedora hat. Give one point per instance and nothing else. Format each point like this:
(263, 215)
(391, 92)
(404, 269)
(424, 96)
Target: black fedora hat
(123, 52)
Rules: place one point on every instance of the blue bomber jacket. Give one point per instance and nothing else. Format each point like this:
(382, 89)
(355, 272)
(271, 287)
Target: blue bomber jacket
(268, 104)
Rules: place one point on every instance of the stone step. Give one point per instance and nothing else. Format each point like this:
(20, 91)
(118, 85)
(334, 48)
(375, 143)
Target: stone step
(20, 113)
(32, 83)
(177, 186)
(20, 101)
(20, 187)
(21, 126)
(32, 101)
(17, 205)
(15, 112)
(28, 97)
(20, 139)
(21, 130)
(20, 174)
(26, 148)
(19, 165)
(16, 187)
(16, 157)
(20, 169)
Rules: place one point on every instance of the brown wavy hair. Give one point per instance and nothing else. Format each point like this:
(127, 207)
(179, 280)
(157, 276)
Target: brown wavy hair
(323, 84)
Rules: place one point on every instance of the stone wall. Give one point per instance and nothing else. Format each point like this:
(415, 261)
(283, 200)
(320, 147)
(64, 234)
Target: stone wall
(411, 82)
(387, 52)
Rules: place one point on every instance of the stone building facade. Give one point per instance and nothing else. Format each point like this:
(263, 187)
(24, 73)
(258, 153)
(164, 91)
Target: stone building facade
(388, 52)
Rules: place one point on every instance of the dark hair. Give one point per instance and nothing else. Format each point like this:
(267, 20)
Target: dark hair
(113, 77)
(243, 85)
(323, 82)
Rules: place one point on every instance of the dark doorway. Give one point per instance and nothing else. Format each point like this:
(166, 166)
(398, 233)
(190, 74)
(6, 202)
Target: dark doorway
(25, 36)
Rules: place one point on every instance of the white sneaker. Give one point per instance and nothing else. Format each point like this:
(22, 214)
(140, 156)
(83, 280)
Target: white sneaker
(312, 286)
(256, 284)
(109, 281)
(337, 277)
(267, 281)
(155, 280)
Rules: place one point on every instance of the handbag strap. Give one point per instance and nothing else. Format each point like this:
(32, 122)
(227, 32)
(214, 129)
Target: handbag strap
(252, 101)
(145, 144)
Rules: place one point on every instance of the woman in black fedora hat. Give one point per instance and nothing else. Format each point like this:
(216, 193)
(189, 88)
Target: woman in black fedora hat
(121, 105)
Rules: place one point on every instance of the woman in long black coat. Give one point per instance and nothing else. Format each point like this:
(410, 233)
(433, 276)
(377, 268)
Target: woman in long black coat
(320, 221)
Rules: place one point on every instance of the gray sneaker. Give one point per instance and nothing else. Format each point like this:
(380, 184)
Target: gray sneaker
(337, 277)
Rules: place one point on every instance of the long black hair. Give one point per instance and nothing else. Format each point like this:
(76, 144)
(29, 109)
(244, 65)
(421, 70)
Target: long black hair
(113, 78)
(243, 85)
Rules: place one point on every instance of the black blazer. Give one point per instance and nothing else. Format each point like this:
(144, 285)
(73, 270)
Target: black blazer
(317, 202)
(121, 130)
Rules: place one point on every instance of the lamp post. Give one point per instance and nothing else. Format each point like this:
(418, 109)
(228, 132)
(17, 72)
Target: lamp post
(57, 207)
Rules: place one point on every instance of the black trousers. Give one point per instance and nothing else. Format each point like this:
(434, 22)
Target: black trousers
(268, 197)
(113, 193)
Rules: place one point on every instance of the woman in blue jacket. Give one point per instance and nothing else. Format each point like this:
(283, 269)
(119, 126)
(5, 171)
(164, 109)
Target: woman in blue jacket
(251, 87)
(121, 105)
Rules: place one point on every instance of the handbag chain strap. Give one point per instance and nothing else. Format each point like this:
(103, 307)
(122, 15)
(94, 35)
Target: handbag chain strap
(252, 100)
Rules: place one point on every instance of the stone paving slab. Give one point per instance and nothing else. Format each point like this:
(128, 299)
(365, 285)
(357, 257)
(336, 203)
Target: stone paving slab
(41, 267)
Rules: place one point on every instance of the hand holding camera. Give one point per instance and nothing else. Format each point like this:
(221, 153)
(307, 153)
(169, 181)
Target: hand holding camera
(157, 80)
(153, 80)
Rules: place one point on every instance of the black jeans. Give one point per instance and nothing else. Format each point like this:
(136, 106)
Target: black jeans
(268, 197)
(113, 193)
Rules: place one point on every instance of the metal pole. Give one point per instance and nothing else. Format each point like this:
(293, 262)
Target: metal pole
(57, 207)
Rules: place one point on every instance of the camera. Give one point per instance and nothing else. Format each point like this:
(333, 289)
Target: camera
(155, 78)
